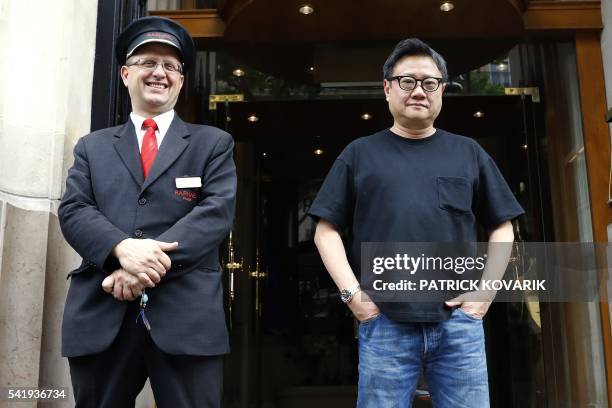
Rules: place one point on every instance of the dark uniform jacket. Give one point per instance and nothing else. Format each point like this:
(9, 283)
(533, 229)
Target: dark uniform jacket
(107, 200)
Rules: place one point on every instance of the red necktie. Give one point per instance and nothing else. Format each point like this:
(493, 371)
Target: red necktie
(149, 146)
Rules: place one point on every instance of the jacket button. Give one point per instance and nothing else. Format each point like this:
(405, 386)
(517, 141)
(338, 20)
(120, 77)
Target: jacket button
(138, 234)
(142, 201)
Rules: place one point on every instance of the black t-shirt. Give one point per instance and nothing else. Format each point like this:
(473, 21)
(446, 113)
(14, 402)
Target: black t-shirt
(392, 189)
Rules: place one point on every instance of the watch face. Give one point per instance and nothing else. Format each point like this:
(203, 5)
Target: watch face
(345, 295)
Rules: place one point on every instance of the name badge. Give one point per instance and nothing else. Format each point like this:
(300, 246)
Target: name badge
(188, 182)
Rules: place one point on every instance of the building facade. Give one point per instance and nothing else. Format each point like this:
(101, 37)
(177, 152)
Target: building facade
(539, 72)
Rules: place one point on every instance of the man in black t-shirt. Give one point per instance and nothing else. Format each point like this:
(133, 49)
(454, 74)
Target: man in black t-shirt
(414, 183)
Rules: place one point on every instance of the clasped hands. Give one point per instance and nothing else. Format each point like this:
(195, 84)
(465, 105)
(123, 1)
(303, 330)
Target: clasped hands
(144, 263)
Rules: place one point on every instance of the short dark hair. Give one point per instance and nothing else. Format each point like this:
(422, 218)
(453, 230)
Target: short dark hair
(413, 47)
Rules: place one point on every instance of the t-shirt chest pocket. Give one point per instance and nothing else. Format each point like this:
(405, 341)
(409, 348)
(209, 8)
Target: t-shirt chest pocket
(454, 194)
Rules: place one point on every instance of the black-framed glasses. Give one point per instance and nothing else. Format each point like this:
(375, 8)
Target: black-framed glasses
(151, 65)
(408, 83)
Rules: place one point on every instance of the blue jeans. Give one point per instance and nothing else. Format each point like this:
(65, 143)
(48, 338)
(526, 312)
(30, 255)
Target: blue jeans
(451, 353)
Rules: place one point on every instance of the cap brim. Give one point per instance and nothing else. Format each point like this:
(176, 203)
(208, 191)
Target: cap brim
(152, 40)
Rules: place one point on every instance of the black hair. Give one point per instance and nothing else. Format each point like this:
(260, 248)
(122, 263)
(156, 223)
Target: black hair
(413, 47)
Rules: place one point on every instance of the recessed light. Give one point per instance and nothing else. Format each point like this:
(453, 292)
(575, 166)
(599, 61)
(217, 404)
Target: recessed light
(253, 118)
(478, 114)
(318, 152)
(447, 6)
(366, 116)
(306, 9)
(238, 72)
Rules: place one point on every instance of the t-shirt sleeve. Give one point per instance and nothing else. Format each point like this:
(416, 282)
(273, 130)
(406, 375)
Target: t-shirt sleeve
(494, 202)
(334, 202)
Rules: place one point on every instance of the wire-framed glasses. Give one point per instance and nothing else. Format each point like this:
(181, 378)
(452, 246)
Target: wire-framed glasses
(151, 65)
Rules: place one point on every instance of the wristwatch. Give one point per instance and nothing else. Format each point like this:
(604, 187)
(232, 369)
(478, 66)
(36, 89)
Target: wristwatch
(346, 295)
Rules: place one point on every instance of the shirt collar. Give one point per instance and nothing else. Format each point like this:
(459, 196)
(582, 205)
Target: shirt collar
(163, 121)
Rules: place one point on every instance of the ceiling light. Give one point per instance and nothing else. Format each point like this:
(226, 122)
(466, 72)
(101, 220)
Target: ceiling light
(264, 154)
(311, 69)
(252, 118)
(502, 66)
(366, 116)
(306, 9)
(318, 152)
(479, 114)
(447, 6)
(524, 147)
(238, 72)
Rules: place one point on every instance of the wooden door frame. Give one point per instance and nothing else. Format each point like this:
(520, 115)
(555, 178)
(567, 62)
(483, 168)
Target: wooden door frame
(597, 153)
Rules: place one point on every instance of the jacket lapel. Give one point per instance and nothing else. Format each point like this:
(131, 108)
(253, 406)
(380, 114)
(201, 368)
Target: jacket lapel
(173, 145)
(127, 148)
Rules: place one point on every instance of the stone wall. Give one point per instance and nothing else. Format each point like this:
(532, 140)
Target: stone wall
(46, 71)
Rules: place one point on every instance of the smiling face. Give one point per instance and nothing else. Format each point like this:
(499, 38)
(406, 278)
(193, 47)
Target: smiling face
(152, 92)
(416, 109)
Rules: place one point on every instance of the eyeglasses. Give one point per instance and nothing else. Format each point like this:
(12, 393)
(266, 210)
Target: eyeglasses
(151, 65)
(408, 83)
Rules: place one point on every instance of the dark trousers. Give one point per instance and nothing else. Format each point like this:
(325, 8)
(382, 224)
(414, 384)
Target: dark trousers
(113, 378)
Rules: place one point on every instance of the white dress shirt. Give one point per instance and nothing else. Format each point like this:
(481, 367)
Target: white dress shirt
(163, 123)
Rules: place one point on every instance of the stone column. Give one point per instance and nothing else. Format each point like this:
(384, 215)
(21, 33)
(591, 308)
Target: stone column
(46, 72)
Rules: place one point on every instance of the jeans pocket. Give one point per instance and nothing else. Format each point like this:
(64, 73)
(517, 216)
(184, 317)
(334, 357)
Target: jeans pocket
(467, 315)
(370, 320)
